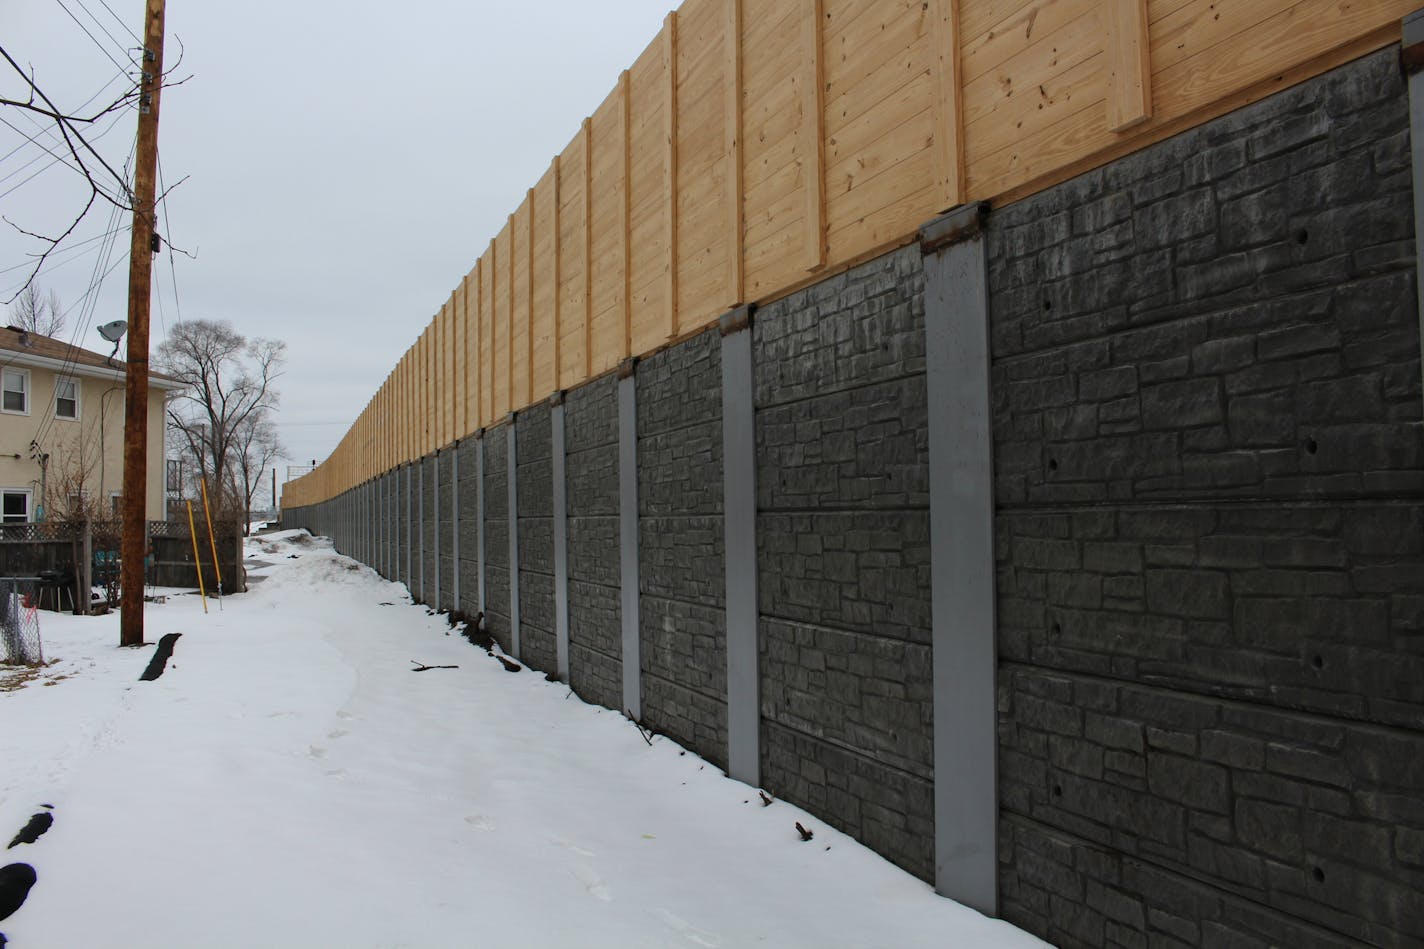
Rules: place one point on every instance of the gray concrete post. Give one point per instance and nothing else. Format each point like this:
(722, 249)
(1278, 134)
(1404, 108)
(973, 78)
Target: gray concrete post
(628, 538)
(409, 578)
(739, 528)
(561, 540)
(480, 516)
(966, 803)
(435, 601)
(513, 485)
(455, 521)
(420, 530)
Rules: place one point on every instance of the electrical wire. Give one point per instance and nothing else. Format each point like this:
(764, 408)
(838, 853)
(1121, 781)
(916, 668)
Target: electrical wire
(122, 24)
(168, 241)
(121, 67)
(55, 159)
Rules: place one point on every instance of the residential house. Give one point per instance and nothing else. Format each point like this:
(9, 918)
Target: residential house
(62, 430)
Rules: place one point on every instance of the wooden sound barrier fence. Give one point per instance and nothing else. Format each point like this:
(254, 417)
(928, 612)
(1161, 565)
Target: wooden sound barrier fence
(759, 145)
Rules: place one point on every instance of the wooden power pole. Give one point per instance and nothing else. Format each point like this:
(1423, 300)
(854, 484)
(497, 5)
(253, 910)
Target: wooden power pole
(132, 530)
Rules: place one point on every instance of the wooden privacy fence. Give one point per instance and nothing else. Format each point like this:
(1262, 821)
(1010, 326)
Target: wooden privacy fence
(759, 145)
(59, 547)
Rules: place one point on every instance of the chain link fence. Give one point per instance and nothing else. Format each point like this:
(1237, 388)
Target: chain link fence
(20, 621)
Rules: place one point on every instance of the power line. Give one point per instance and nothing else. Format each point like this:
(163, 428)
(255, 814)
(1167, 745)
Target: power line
(85, 29)
(172, 269)
(66, 125)
(126, 28)
(55, 159)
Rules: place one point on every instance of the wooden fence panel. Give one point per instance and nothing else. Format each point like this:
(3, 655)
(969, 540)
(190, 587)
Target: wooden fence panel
(648, 231)
(745, 152)
(544, 284)
(573, 261)
(608, 235)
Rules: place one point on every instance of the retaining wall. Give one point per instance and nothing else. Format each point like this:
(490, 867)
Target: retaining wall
(1206, 540)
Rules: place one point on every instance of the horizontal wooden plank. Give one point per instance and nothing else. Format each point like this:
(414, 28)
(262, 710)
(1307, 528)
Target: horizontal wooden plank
(860, 145)
(860, 71)
(1051, 55)
(1014, 35)
(1055, 98)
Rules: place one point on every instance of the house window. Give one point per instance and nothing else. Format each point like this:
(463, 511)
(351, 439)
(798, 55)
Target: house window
(16, 386)
(14, 505)
(66, 397)
(116, 504)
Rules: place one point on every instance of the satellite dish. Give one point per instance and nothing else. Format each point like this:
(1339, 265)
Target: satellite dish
(114, 331)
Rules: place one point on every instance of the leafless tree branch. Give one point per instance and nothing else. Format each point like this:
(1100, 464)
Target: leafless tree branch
(66, 126)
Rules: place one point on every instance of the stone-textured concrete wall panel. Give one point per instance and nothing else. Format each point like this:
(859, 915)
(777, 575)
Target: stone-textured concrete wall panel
(854, 690)
(1298, 814)
(682, 558)
(592, 417)
(1209, 461)
(595, 573)
(680, 386)
(856, 328)
(595, 677)
(497, 606)
(536, 620)
(1231, 312)
(888, 810)
(447, 530)
(865, 572)
(1309, 607)
(682, 629)
(860, 447)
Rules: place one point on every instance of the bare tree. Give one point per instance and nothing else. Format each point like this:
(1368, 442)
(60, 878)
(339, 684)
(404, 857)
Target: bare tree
(229, 389)
(256, 446)
(37, 311)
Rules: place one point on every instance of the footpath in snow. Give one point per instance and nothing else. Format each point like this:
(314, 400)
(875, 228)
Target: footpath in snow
(290, 781)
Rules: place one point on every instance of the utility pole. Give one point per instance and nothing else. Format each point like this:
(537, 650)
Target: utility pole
(133, 522)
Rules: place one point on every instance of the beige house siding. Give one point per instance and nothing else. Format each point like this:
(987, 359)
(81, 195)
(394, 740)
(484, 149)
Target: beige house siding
(85, 454)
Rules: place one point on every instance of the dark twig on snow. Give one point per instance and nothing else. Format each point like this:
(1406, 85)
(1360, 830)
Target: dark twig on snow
(643, 730)
(422, 667)
(805, 834)
(766, 799)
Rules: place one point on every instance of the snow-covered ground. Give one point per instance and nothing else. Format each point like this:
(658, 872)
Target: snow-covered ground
(291, 782)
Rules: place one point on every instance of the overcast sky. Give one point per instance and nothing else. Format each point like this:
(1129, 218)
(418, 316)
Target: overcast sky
(345, 164)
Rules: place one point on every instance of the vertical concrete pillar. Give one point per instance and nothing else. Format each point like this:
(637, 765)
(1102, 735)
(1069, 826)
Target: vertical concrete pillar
(420, 529)
(513, 485)
(561, 538)
(628, 537)
(455, 524)
(480, 516)
(409, 578)
(1412, 46)
(961, 558)
(435, 460)
(739, 532)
